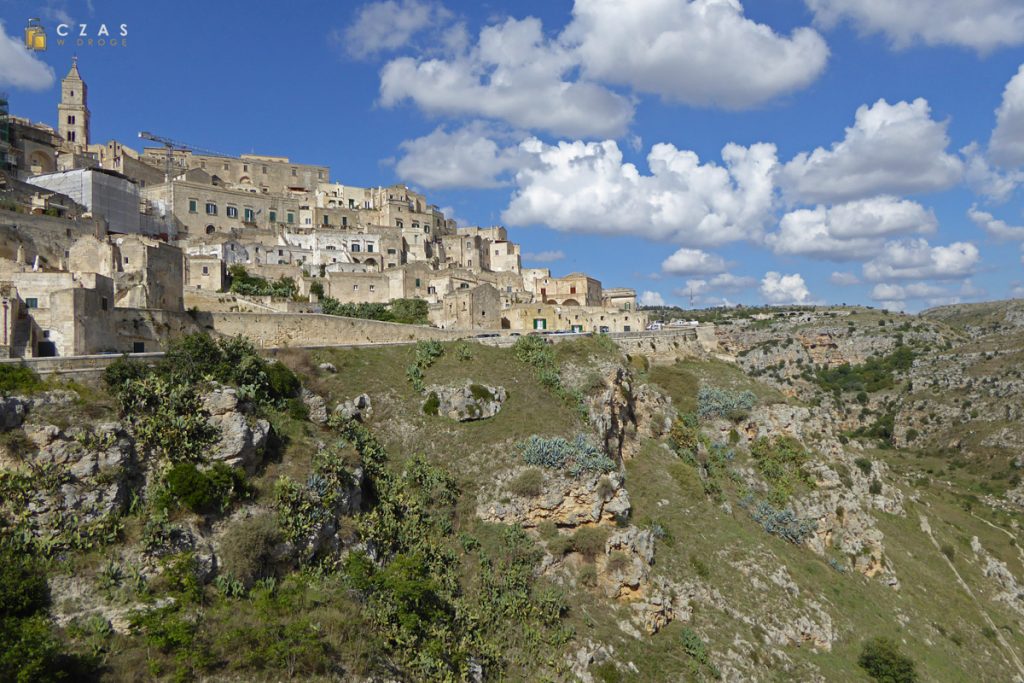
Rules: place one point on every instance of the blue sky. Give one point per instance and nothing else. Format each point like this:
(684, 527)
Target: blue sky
(780, 151)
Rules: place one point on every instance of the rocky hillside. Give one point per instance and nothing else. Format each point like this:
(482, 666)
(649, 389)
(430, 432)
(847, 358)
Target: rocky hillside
(835, 495)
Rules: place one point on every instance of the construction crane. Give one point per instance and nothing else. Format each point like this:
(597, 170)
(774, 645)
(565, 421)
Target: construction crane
(172, 146)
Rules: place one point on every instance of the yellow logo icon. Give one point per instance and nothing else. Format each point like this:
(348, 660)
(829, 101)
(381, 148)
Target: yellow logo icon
(35, 36)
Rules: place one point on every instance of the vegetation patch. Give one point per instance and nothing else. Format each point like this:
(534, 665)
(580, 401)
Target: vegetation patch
(250, 285)
(577, 457)
(405, 311)
(875, 374)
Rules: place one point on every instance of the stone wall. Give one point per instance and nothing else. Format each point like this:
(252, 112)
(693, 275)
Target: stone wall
(668, 346)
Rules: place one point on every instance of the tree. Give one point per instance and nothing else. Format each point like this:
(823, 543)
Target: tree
(882, 660)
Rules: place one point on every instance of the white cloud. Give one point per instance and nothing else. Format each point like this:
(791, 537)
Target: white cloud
(544, 256)
(649, 298)
(993, 226)
(466, 157)
(1007, 144)
(387, 26)
(982, 25)
(19, 68)
(701, 52)
(512, 74)
(844, 279)
(586, 187)
(890, 149)
(784, 289)
(723, 283)
(693, 262)
(853, 230)
(917, 260)
(918, 290)
(985, 180)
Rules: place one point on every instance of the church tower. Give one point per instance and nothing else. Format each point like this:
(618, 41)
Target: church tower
(73, 110)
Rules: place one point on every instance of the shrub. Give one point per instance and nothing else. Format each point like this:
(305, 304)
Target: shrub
(18, 379)
(864, 465)
(589, 541)
(700, 568)
(875, 488)
(480, 392)
(432, 405)
(166, 417)
(588, 575)
(782, 523)
(780, 460)
(122, 370)
(317, 289)
(911, 435)
(247, 551)
(685, 435)
(281, 381)
(881, 659)
(618, 561)
(528, 483)
(949, 551)
(577, 456)
(713, 402)
(205, 491)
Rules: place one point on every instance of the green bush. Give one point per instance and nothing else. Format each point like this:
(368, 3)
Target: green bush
(577, 457)
(15, 379)
(282, 382)
(528, 483)
(875, 488)
(251, 285)
(863, 464)
(405, 311)
(166, 417)
(317, 289)
(780, 461)
(589, 541)
(207, 491)
(123, 370)
(480, 392)
(876, 374)
(881, 659)
(713, 402)
(432, 404)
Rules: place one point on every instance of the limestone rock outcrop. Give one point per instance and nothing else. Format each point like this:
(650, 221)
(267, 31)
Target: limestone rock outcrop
(242, 436)
(464, 403)
(358, 408)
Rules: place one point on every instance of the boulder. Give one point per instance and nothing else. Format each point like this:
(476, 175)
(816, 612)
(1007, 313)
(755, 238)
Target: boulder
(316, 405)
(327, 367)
(12, 411)
(358, 408)
(242, 440)
(464, 403)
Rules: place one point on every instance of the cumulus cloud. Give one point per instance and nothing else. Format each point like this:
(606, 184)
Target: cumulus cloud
(19, 68)
(853, 230)
(513, 74)
(649, 298)
(917, 290)
(1007, 144)
(586, 187)
(844, 279)
(777, 288)
(701, 52)
(387, 26)
(981, 25)
(985, 180)
(890, 149)
(917, 260)
(544, 256)
(693, 262)
(993, 226)
(725, 283)
(467, 157)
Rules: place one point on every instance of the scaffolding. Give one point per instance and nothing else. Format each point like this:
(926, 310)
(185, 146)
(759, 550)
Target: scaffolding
(6, 150)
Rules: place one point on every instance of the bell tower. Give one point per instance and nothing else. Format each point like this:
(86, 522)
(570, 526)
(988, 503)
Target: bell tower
(73, 110)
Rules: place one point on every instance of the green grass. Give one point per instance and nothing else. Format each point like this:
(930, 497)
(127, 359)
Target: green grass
(682, 380)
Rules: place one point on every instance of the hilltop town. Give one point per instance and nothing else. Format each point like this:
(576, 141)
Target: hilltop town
(104, 248)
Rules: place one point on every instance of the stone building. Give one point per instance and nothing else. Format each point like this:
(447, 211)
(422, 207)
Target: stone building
(476, 308)
(73, 110)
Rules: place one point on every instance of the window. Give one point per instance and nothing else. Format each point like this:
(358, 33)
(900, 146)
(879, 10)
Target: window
(126, 260)
(103, 303)
(391, 252)
(232, 212)
(373, 288)
(273, 216)
(344, 222)
(391, 265)
(245, 168)
(211, 209)
(291, 217)
(497, 252)
(320, 175)
(138, 347)
(250, 216)
(369, 247)
(31, 302)
(464, 285)
(625, 328)
(572, 290)
(309, 221)
(206, 270)
(295, 172)
(330, 247)
(327, 219)
(355, 288)
(431, 290)
(71, 118)
(193, 206)
(417, 283)
(355, 247)
(469, 263)
(71, 136)
(264, 170)
(399, 224)
(280, 252)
